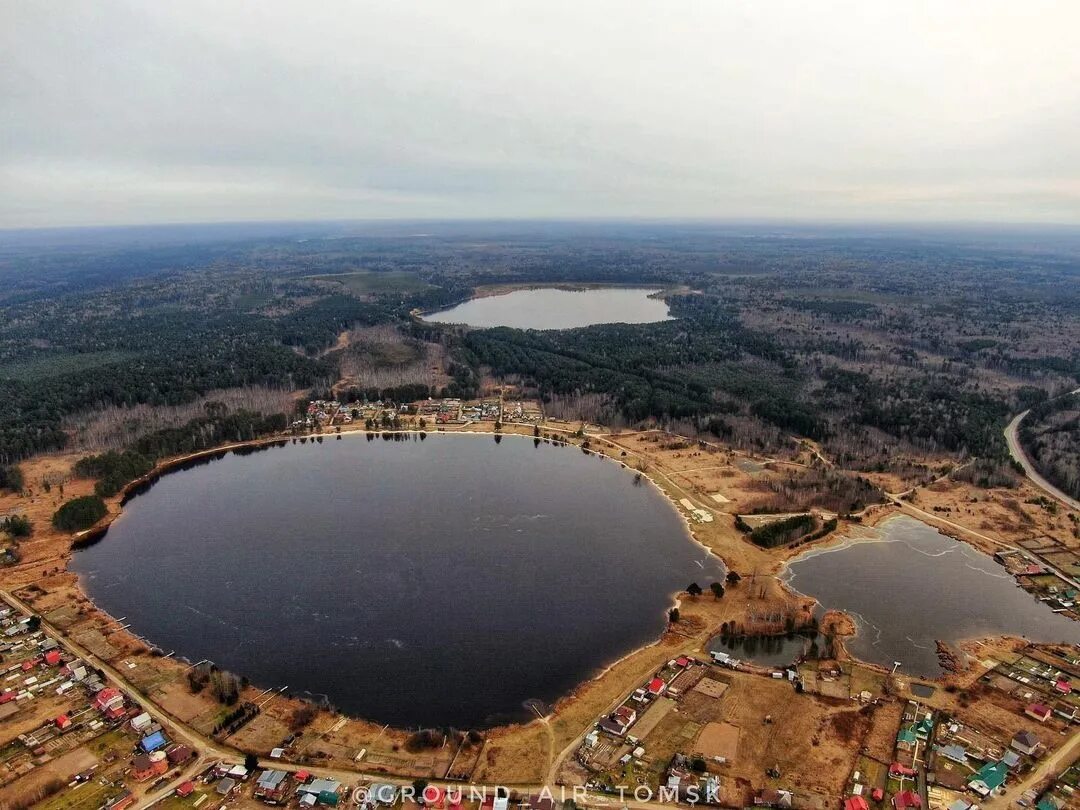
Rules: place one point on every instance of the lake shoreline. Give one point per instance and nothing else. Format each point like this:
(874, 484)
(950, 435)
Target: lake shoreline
(143, 484)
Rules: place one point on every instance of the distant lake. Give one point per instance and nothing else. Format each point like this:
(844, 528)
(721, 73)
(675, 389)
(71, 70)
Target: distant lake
(552, 308)
(431, 583)
(908, 585)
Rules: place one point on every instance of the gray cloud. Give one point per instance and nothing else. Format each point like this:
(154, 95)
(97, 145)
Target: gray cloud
(116, 112)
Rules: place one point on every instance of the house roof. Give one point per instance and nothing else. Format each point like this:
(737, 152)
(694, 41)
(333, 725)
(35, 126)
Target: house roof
(656, 684)
(992, 774)
(906, 735)
(1026, 739)
(186, 789)
(1010, 759)
(270, 780)
(907, 798)
(856, 803)
(954, 752)
(152, 742)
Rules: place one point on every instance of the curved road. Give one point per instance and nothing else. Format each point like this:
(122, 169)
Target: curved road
(1017, 452)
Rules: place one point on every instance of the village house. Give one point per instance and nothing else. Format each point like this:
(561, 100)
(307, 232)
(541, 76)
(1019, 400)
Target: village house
(619, 721)
(152, 742)
(1038, 711)
(319, 791)
(178, 754)
(108, 700)
(272, 786)
(145, 767)
(906, 799)
(906, 739)
(1026, 743)
(989, 778)
(121, 802)
(773, 797)
(955, 752)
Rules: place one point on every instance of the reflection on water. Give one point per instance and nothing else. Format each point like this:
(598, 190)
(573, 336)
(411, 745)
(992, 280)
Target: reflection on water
(551, 308)
(438, 582)
(908, 586)
(770, 651)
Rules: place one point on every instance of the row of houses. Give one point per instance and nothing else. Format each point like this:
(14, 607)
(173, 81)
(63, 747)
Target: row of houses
(271, 786)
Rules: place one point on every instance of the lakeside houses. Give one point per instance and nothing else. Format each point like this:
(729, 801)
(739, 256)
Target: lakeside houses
(384, 414)
(272, 786)
(989, 779)
(63, 704)
(1045, 682)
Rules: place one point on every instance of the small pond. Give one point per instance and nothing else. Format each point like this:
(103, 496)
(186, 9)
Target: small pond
(907, 585)
(554, 308)
(768, 651)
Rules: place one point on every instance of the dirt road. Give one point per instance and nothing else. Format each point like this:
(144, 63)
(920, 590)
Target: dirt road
(1049, 767)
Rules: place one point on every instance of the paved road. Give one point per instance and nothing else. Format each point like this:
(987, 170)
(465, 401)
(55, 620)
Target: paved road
(1017, 452)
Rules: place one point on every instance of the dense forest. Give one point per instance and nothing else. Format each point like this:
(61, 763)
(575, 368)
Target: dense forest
(883, 345)
(1050, 436)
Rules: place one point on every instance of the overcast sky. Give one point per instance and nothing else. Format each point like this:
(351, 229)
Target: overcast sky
(114, 112)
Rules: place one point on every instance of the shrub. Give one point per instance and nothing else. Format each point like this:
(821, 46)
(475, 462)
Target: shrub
(16, 526)
(79, 513)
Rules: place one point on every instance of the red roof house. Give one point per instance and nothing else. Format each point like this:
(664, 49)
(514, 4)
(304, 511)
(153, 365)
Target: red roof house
(877, 794)
(185, 789)
(900, 769)
(1038, 711)
(657, 686)
(52, 658)
(682, 661)
(1063, 686)
(108, 698)
(856, 803)
(63, 722)
(905, 799)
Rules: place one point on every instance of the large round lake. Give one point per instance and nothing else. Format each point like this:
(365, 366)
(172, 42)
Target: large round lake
(432, 582)
(908, 586)
(554, 308)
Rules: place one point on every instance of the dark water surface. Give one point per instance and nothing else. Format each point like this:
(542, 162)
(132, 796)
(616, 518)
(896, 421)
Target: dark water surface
(551, 308)
(910, 585)
(437, 582)
(768, 651)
